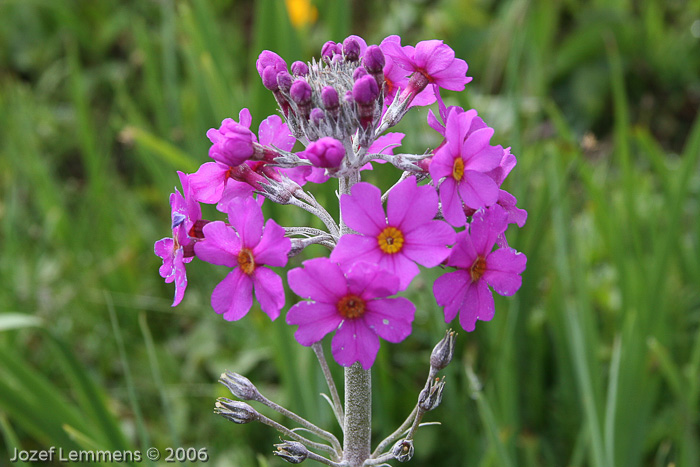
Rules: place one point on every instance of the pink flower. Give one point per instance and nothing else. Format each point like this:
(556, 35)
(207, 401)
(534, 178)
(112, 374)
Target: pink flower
(396, 78)
(463, 161)
(326, 152)
(177, 250)
(397, 241)
(233, 141)
(247, 248)
(352, 300)
(466, 290)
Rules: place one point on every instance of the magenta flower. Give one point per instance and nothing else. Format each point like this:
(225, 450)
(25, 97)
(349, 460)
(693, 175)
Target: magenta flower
(247, 248)
(397, 241)
(396, 79)
(353, 301)
(466, 290)
(177, 250)
(463, 161)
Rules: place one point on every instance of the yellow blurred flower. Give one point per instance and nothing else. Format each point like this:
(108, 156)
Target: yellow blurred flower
(301, 12)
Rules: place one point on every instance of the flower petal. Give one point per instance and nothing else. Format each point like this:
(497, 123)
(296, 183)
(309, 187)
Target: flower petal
(320, 279)
(451, 204)
(233, 296)
(390, 318)
(427, 244)
(463, 254)
(274, 247)
(355, 342)
(315, 320)
(410, 205)
(449, 290)
(503, 269)
(485, 228)
(247, 218)
(269, 291)
(221, 245)
(207, 183)
(370, 280)
(477, 304)
(352, 248)
(477, 190)
(362, 209)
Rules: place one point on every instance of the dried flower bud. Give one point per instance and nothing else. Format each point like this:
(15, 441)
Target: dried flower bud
(239, 385)
(431, 396)
(292, 451)
(300, 68)
(443, 351)
(403, 450)
(236, 411)
(351, 49)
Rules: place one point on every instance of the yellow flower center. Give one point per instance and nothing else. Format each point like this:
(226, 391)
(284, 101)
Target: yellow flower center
(390, 240)
(246, 261)
(351, 306)
(458, 169)
(478, 268)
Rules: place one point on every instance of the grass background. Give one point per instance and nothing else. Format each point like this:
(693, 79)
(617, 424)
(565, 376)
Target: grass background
(595, 362)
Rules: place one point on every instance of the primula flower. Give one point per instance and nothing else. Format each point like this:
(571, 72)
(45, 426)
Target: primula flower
(248, 248)
(325, 152)
(352, 300)
(396, 241)
(232, 142)
(177, 250)
(463, 161)
(466, 290)
(396, 78)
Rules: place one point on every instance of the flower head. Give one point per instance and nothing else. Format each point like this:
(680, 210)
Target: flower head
(232, 142)
(397, 240)
(466, 290)
(248, 248)
(353, 301)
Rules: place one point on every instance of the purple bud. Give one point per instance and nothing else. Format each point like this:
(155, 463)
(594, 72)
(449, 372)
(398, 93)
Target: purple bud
(365, 90)
(269, 78)
(348, 97)
(284, 81)
(359, 73)
(351, 49)
(239, 385)
(329, 98)
(325, 152)
(329, 49)
(232, 143)
(300, 92)
(316, 115)
(300, 68)
(269, 58)
(373, 59)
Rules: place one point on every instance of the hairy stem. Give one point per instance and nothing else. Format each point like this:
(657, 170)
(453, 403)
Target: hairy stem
(358, 415)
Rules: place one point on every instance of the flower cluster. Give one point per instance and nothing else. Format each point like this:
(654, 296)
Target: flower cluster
(448, 207)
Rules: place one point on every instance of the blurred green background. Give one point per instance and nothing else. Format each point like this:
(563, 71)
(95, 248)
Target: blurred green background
(595, 362)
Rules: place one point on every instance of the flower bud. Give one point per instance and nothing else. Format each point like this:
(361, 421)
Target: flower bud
(359, 73)
(239, 385)
(443, 351)
(316, 116)
(300, 69)
(329, 49)
(284, 81)
(326, 152)
(431, 396)
(232, 143)
(351, 49)
(365, 90)
(236, 411)
(292, 451)
(269, 58)
(373, 59)
(300, 93)
(329, 98)
(403, 450)
(269, 78)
